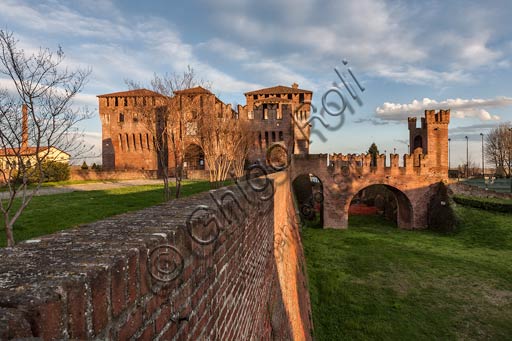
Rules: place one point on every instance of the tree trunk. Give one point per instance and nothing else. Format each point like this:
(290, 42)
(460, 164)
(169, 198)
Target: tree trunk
(8, 233)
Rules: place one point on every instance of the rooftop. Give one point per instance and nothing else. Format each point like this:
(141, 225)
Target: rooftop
(193, 91)
(133, 93)
(280, 89)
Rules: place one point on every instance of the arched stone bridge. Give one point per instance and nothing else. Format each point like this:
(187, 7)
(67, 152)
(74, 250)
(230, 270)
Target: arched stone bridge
(343, 176)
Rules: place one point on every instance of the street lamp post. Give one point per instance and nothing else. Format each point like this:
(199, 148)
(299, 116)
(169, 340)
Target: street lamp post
(483, 164)
(467, 157)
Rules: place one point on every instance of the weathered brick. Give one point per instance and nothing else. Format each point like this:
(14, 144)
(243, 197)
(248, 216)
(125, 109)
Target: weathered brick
(99, 297)
(131, 326)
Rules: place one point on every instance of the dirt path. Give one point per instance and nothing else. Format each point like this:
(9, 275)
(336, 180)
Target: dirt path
(94, 186)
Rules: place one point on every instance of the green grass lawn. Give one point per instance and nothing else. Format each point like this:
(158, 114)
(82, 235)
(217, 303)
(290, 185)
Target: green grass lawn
(374, 281)
(50, 213)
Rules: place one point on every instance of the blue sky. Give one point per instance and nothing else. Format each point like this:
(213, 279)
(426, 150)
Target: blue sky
(409, 55)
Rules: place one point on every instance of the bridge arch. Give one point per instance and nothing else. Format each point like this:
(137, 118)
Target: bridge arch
(404, 214)
(308, 190)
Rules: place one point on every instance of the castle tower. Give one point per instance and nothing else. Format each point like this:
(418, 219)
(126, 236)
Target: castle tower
(432, 137)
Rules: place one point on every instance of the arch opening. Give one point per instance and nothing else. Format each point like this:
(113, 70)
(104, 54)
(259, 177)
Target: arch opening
(194, 158)
(418, 142)
(309, 194)
(383, 200)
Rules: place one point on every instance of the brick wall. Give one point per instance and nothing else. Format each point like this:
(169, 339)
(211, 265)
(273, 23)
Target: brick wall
(80, 174)
(100, 280)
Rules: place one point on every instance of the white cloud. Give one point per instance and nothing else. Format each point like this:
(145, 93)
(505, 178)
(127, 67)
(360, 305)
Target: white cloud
(460, 108)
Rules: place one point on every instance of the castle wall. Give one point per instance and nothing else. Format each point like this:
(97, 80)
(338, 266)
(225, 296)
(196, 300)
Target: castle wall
(100, 281)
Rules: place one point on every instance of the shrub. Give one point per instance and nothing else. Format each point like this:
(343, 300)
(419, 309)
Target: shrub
(52, 171)
(484, 203)
(56, 171)
(84, 166)
(441, 216)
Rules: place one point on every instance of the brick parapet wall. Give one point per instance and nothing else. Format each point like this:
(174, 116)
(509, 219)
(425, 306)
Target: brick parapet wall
(95, 281)
(80, 174)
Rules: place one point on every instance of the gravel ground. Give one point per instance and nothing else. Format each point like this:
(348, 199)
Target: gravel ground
(94, 186)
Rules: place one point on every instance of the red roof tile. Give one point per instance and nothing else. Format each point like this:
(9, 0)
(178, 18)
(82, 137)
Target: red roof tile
(133, 93)
(280, 89)
(193, 91)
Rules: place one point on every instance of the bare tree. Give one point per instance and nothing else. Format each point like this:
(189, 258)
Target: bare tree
(225, 141)
(29, 137)
(498, 144)
(171, 121)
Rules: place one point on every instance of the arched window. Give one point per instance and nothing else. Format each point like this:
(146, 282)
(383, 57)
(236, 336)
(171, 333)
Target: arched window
(147, 141)
(418, 142)
(121, 142)
(140, 141)
(134, 142)
(127, 142)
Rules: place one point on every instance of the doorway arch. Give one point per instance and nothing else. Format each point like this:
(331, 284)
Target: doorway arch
(309, 194)
(404, 209)
(194, 157)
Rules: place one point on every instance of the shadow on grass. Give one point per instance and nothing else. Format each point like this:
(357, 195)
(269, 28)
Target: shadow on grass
(51, 213)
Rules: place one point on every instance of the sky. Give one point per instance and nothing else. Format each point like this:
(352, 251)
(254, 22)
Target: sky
(407, 55)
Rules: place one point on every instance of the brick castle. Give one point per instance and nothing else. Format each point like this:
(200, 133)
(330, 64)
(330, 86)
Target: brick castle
(127, 144)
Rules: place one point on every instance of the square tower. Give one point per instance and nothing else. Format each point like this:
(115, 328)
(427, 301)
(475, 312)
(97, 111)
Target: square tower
(432, 138)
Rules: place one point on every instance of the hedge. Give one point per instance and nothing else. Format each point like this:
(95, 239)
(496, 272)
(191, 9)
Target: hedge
(485, 204)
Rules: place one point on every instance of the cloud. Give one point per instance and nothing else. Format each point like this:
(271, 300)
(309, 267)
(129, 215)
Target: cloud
(460, 108)
(373, 121)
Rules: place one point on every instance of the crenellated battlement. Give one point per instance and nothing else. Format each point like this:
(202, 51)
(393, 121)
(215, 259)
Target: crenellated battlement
(416, 163)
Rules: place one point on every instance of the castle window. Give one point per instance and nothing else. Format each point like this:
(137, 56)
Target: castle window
(273, 136)
(134, 142)
(147, 141)
(266, 95)
(121, 117)
(281, 136)
(125, 101)
(266, 139)
(127, 142)
(289, 96)
(254, 97)
(108, 102)
(418, 142)
(260, 141)
(140, 141)
(301, 98)
(116, 102)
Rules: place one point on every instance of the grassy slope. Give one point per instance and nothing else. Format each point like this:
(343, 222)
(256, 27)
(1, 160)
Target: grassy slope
(374, 281)
(50, 213)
